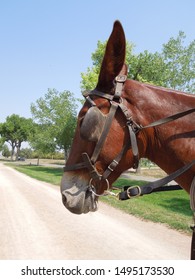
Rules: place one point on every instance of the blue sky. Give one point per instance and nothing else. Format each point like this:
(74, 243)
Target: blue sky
(48, 43)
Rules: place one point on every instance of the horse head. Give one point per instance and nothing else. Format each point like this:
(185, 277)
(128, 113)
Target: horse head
(81, 170)
(118, 120)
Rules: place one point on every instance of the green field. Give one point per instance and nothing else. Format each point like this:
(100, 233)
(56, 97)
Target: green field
(171, 208)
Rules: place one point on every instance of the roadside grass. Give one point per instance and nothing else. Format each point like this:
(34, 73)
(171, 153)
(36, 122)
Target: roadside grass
(171, 208)
(42, 173)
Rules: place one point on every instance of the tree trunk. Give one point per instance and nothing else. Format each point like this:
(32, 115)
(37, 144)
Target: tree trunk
(12, 151)
(18, 146)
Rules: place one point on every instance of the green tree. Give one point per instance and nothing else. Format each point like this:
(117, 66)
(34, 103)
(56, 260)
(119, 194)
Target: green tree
(16, 130)
(5, 151)
(55, 115)
(42, 140)
(173, 67)
(2, 141)
(26, 153)
(90, 78)
(180, 63)
(147, 67)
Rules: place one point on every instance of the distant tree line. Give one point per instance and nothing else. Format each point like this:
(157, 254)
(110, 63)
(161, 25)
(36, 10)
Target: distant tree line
(50, 129)
(54, 116)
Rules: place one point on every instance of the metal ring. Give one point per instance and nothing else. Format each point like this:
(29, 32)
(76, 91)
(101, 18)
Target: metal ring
(132, 187)
(93, 189)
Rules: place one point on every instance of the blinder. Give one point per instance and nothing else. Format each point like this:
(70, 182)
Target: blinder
(92, 124)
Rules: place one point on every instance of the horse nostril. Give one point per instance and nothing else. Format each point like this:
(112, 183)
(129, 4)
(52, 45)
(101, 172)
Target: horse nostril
(64, 199)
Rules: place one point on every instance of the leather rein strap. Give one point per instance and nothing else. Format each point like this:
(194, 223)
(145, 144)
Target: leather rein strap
(133, 191)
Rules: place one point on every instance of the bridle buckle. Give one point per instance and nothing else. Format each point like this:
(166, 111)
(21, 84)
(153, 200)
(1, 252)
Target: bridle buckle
(121, 78)
(133, 195)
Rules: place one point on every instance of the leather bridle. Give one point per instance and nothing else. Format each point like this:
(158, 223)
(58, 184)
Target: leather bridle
(116, 102)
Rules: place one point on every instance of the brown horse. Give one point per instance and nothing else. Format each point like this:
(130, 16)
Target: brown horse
(170, 145)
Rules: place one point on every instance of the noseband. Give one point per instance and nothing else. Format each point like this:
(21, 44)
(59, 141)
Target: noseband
(116, 102)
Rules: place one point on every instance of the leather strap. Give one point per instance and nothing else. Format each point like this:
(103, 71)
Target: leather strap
(134, 146)
(120, 80)
(170, 119)
(92, 103)
(105, 132)
(192, 195)
(114, 106)
(101, 94)
(89, 163)
(192, 205)
(75, 166)
(91, 168)
(193, 244)
(150, 187)
(116, 161)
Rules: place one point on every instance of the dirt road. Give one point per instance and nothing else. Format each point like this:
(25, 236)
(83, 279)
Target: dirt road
(35, 225)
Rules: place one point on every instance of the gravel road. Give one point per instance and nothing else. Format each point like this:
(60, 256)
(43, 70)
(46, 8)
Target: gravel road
(35, 225)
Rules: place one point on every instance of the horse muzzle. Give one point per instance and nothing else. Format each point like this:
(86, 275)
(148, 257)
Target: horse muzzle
(78, 199)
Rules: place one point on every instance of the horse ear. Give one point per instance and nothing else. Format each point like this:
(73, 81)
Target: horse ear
(114, 58)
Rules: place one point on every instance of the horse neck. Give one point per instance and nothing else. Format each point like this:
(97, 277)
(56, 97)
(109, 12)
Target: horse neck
(165, 145)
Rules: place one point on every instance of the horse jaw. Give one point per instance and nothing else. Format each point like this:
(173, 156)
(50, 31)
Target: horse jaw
(76, 196)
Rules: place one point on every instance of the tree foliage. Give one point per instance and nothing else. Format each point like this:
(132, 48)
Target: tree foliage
(90, 78)
(180, 63)
(55, 116)
(5, 151)
(16, 130)
(173, 67)
(26, 153)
